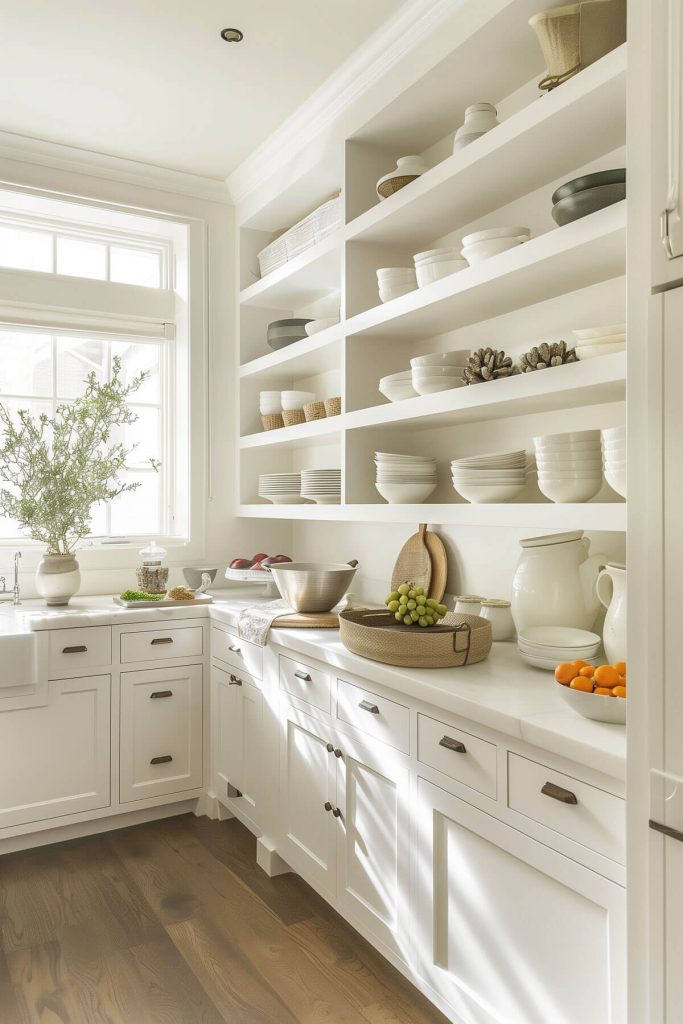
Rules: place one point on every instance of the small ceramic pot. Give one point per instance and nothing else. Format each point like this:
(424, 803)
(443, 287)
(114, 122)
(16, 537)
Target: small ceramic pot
(468, 604)
(407, 169)
(499, 614)
(479, 119)
(58, 578)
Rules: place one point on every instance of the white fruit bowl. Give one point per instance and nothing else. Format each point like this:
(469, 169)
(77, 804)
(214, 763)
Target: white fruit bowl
(595, 705)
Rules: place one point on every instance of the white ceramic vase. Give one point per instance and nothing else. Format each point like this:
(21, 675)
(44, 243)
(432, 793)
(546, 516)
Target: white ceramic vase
(479, 119)
(614, 599)
(407, 168)
(58, 578)
(499, 614)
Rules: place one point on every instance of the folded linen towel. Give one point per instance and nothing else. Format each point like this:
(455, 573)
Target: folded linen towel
(254, 623)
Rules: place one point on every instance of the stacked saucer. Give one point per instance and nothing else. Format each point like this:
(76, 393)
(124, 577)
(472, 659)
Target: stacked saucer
(549, 646)
(321, 485)
(281, 488)
(405, 479)
(569, 465)
(484, 479)
(614, 458)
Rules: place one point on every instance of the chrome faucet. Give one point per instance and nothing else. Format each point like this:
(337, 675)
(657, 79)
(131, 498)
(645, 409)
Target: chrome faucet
(17, 594)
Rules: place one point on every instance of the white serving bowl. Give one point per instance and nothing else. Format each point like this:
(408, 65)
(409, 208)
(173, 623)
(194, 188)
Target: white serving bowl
(405, 494)
(595, 705)
(427, 275)
(397, 392)
(590, 333)
(593, 351)
(485, 494)
(392, 378)
(490, 233)
(293, 400)
(433, 385)
(481, 251)
(562, 490)
(617, 480)
(457, 358)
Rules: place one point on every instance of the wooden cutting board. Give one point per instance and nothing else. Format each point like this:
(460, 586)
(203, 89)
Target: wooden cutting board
(306, 620)
(413, 563)
(439, 560)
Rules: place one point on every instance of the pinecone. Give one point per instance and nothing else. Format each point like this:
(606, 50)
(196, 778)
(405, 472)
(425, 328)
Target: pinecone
(488, 364)
(554, 354)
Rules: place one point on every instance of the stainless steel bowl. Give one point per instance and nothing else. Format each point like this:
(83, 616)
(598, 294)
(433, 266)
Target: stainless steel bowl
(313, 586)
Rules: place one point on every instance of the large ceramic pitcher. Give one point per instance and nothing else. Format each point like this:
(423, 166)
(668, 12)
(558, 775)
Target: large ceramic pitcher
(610, 587)
(554, 584)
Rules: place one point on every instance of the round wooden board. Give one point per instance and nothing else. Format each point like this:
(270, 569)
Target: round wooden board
(306, 620)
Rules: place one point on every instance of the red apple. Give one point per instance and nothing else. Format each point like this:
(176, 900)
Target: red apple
(259, 558)
(240, 563)
(279, 558)
(258, 567)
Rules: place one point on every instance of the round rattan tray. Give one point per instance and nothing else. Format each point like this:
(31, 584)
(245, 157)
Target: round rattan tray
(457, 640)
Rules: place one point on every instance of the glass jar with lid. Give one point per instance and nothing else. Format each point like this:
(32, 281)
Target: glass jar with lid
(152, 575)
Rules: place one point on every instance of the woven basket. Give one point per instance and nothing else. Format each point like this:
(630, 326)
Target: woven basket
(306, 233)
(387, 188)
(332, 406)
(272, 422)
(576, 35)
(459, 640)
(314, 411)
(293, 416)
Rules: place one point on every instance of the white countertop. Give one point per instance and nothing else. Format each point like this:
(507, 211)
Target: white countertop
(501, 692)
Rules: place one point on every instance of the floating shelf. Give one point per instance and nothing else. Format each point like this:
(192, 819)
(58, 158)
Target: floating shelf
(294, 437)
(560, 261)
(309, 276)
(304, 358)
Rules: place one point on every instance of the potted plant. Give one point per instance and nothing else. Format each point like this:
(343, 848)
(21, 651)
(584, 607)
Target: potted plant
(57, 468)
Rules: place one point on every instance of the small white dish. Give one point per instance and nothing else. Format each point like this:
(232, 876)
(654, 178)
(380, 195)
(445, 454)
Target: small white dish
(559, 636)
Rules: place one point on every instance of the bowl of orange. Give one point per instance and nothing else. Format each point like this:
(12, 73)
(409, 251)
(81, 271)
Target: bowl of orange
(594, 691)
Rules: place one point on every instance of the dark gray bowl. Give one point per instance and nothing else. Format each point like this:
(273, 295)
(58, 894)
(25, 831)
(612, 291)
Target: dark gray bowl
(588, 201)
(614, 177)
(288, 323)
(278, 343)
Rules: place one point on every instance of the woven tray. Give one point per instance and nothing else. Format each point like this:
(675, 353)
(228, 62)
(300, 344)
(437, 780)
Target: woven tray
(459, 640)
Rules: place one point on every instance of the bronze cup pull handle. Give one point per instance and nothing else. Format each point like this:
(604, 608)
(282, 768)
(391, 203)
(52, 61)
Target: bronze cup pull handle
(304, 676)
(78, 649)
(565, 796)
(158, 694)
(164, 759)
(450, 744)
(161, 640)
(366, 705)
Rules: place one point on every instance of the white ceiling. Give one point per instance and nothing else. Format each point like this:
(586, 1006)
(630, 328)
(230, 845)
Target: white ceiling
(152, 80)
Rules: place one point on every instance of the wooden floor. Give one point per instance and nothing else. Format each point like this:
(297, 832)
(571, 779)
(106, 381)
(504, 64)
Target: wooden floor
(173, 923)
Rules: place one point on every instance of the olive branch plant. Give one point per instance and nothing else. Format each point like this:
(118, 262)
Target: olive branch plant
(59, 467)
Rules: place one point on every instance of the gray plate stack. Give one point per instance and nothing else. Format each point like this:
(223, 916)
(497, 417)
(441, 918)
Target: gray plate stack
(285, 332)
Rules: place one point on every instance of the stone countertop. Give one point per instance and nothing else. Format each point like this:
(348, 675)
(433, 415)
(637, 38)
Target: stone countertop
(501, 692)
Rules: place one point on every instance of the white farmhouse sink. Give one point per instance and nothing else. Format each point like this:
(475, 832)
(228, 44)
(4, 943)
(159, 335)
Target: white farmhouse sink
(18, 662)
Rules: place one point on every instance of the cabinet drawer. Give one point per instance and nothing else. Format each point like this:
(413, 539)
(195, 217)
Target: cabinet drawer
(236, 652)
(581, 812)
(309, 684)
(460, 755)
(162, 644)
(382, 718)
(70, 650)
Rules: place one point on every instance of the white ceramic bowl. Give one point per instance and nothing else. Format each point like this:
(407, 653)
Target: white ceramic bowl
(570, 469)
(270, 403)
(433, 385)
(593, 351)
(562, 491)
(589, 333)
(389, 294)
(405, 494)
(595, 705)
(570, 437)
(486, 474)
(449, 252)
(489, 233)
(481, 251)
(456, 358)
(436, 271)
(315, 326)
(397, 392)
(434, 370)
(486, 494)
(558, 636)
(574, 460)
(395, 273)
(292, 400)
(616, 479)
(396, 377)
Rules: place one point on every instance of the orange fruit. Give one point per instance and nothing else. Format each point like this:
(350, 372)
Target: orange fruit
(619, 691)
(604, 691)
(565, 672)
(622, 680)
(606, 675)
(620, 666)
(579, 663)
(582, 683)
(587, 671)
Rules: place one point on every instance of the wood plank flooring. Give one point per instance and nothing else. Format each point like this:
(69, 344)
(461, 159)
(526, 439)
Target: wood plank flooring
(173, 922)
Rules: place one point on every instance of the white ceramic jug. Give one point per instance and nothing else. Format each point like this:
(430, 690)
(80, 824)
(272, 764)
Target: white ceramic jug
(554, 584)
(614, 599)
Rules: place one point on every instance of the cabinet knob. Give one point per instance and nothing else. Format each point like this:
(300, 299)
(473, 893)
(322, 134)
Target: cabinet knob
(335, 810)
(303, 675)
(234, 680)
(329, 747)
(79, 649)
(337, 752)
(565, 796)
(450, 744)
(366, 705)
(235, 650)
(161, 640)
(328, 805)
(164, 759)
(158, 694)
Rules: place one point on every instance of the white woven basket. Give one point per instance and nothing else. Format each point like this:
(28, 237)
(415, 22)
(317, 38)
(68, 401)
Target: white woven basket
(302, 236)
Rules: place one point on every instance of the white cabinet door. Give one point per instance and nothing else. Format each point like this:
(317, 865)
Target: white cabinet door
(510, 932)
(307, 792)
(665, 20)
(55, 760)
(161, 732)
(373, 839)
(238, 743)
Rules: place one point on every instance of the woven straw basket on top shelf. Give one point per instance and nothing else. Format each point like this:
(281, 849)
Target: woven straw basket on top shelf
(458, 640)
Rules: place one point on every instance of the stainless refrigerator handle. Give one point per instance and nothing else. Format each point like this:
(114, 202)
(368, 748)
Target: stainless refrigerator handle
(666, 830)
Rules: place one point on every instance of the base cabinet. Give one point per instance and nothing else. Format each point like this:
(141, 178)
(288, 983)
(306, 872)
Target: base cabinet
(238, 743)
(509, 931)
(55, 760)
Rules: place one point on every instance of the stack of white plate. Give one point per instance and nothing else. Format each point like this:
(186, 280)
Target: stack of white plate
(405, 479)
(434, 264)
(600, 341)
(321, 485)
(614, 458)
(548, 646)
(483, 244)
(395, 281)
(484, 479)
(280, 488)
(569, 465)
(397, 386)
(439, 371)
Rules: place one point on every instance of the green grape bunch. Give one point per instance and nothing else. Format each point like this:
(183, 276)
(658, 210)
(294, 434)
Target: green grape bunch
(411, 606)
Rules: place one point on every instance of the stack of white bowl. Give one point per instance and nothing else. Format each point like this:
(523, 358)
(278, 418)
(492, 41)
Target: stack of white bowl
(600, 341)
(321, 485)
(614, 458)
(569, 465)
(397, 386)
(434, 264)
(481, 245)
(280, 488)
(270, 403)
(548, 646)
(293, 401)
(484, 479)
(439, 371)
(395, 281)
(405, 479)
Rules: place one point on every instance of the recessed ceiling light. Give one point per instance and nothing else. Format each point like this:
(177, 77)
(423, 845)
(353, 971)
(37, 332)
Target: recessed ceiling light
(232, 35)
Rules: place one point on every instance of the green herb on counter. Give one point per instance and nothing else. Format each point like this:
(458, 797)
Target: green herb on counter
(140, 595)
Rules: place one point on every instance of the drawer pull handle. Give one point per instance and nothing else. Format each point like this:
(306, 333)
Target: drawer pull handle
(235, 650)
(565, 796)
(158, 694)
(234, 680)
(450, 744)
(80, 649)
(233, 791)
(164, 759)
(367, 706)
(162, 640)
(303, 675)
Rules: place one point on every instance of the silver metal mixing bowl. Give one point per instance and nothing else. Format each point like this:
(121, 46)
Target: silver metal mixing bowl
(313, 586)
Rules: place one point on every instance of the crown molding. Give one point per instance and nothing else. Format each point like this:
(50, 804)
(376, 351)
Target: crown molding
(25, 149)
(371, 61)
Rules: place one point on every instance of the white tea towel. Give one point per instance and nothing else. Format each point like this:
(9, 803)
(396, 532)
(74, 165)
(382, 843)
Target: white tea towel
(255, 622)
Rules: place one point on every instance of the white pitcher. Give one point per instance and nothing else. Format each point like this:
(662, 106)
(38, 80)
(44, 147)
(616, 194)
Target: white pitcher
(614, 599)
(554, 584)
